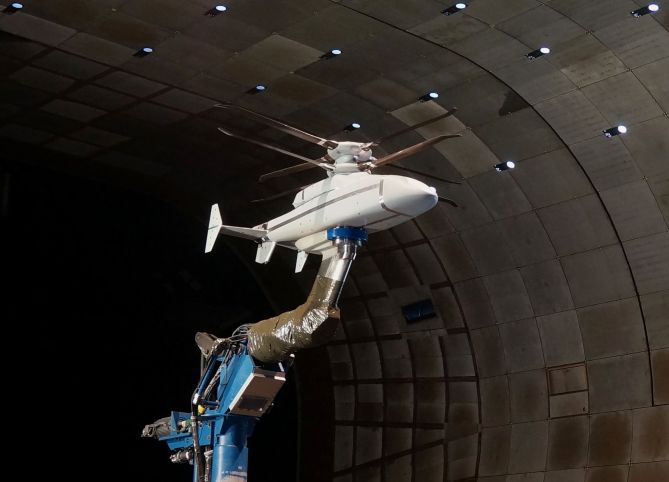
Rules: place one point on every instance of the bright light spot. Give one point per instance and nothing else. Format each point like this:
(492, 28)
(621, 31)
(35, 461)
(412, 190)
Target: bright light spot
(510, 164)
(355, 125)
(545, 50)
(19, 6)
(220, 8)
(653, 7)
(460, 6)
(335, 52)
(433, 95)
(147, 50)
(622, 129)
(260, 87)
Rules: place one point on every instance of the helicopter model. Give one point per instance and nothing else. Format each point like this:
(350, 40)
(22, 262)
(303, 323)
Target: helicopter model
(349, 196)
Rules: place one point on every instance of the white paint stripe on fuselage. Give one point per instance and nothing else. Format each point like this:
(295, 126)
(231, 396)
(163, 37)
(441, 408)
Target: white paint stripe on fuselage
(301, 222)
(271, 227)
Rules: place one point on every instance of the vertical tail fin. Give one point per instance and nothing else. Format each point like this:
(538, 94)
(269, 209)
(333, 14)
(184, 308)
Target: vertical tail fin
(301, 259)
(215, 224)
(265, 250)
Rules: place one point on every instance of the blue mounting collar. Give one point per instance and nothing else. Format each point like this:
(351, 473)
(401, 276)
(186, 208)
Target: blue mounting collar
(348, 232)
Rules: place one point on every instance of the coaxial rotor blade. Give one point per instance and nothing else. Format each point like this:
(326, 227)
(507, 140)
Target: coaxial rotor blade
(291, 170)
(278, 195)
(411, 150)
(413, 171)
(449, 201)
(271, 147)
(448, 113)
(282, 126)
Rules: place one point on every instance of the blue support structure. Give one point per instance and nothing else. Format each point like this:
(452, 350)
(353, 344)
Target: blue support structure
(233, 393)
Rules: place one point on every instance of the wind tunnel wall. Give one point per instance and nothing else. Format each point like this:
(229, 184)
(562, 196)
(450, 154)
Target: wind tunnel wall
(551, 281)
(536, 367)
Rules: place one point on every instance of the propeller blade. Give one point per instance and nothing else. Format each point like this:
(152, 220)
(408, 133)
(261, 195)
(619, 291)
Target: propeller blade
(411, 150)
(449, 201)
(278, 195)
(271, 147)
(282, 126)
(292, 169)
(448, 113)
(413, 171)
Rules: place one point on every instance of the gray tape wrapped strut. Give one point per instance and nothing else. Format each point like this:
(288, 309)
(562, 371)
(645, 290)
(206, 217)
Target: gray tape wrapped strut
(313, 322)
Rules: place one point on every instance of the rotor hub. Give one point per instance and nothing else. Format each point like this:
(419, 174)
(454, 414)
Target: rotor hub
(350, 152)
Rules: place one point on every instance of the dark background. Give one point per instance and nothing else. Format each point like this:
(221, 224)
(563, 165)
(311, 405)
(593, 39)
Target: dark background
(107, 288)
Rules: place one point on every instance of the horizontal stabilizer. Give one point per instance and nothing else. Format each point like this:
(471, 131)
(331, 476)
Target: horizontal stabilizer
(246, 233)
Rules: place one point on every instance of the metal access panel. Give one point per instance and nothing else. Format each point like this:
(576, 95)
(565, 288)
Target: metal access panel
(257, 393)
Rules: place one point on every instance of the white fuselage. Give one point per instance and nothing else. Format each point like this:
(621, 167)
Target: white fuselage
(360, 199)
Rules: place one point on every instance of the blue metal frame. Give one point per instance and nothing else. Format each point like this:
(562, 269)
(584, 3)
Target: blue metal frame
(221, 433)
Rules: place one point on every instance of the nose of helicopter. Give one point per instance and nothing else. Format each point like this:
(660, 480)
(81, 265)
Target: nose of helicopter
(408, 196)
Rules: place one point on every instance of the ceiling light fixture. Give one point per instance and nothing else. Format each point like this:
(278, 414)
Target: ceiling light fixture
(257, 89)
(143, 52)
(650, 8)
(331, 54)
(428, 96)
(615, 131)
(12, 8)
(217, 10)
(352, 127)
(454, 8)
(535, 54)
(505, 166)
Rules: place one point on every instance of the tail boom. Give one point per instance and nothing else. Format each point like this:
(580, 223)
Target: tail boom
(216, 226)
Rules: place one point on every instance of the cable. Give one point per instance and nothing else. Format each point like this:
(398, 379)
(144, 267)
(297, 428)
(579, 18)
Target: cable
(226, 348)
(198, 456)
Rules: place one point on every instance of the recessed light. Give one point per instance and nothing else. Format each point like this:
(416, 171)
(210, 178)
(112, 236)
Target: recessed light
(352, 127)
(428, 96)
(615, 131)
(331, 54)
(257, 89)
(505, 166)
(217, 10)
(538, 53)
(12, 8)
(143, 52)
(650, 8)
(454, 8)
